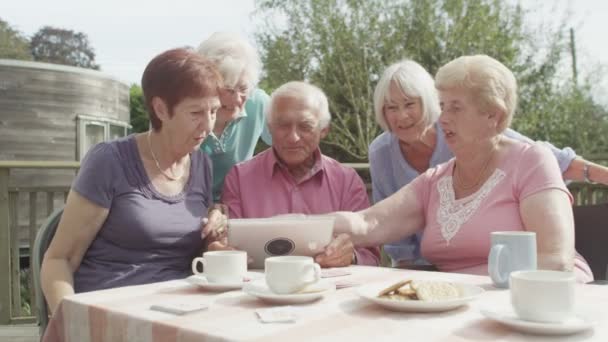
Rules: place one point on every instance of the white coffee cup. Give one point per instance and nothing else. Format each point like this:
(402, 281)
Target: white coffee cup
(543, 296)
(222, 266)
(290, 274)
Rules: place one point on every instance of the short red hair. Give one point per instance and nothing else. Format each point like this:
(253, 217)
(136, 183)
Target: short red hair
(177, 74)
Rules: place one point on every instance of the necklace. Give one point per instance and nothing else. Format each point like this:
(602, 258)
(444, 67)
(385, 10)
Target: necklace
(460, 184)
(173, 178)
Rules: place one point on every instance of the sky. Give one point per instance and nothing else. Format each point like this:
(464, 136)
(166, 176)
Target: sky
(127, 34)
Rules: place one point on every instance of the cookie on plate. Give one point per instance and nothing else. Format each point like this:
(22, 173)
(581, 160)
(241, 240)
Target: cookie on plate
(433, 291)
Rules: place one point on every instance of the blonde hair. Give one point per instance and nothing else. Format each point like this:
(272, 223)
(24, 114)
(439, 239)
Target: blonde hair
(233, 57)
(414, 81)
(311, 95)
(493, 85)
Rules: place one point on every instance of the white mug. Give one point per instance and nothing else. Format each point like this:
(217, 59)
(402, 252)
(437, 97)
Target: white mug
(290, 274)
(222, 266)
(511, 251)
(543, 296)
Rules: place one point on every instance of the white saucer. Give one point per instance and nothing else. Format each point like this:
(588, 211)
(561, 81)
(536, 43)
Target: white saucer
(260, 290)
(468, 292)
(201, 280)
(508, 318)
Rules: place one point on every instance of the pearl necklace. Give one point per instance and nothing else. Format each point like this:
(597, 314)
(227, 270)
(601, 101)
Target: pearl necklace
(173, 178)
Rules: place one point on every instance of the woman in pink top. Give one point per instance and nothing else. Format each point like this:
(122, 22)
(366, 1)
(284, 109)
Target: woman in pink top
(493, 183)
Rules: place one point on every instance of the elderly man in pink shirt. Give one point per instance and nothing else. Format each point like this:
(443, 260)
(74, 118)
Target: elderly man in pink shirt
(294, 177)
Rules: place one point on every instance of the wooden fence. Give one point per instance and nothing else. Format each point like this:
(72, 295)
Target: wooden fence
(13, 308)
(11, 299)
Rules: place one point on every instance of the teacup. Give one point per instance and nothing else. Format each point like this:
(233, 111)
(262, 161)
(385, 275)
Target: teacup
(543, 296)
(290, 274)
(511, 251)
(222, 266)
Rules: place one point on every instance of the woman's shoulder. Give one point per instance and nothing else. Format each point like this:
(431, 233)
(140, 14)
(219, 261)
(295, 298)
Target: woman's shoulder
(255, 107)
(257, 99)
(109, 151)
(381, 144)
(200, 158)
(258, 94)
(522, 152)
(440, 170)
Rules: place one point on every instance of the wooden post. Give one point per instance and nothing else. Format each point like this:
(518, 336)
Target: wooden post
(13, 213)
(5, 256)
(575, 191)
(50, 198)
(33, 231)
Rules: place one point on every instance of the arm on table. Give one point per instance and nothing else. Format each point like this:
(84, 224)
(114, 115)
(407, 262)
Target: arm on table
(79, 224)
(341, 251)
(389, 220)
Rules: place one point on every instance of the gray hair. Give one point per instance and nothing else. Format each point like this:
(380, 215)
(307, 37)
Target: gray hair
(311, 95)
(414, 81)
(492, 83)
(233, 56)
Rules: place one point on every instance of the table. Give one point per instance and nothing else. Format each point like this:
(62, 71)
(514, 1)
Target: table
(123, 314)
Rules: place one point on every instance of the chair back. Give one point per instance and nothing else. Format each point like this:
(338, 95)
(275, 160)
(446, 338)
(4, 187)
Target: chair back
(43, 240)
(591, 235)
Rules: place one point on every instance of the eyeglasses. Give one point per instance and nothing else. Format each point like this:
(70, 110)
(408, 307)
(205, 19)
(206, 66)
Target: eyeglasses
(240, 90)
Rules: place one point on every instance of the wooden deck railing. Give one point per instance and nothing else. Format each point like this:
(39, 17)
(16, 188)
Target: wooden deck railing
(11, 301)
(12, 235)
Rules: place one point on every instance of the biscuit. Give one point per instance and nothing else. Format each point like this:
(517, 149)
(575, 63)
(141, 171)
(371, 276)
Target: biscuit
(433, 291)
(393, 287)
(407, 291)
(395, 297)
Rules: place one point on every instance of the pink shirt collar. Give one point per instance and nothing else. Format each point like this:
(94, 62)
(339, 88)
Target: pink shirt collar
(273, 164)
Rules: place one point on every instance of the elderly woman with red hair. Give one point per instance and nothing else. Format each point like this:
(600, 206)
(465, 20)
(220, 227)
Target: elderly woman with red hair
(133, 215)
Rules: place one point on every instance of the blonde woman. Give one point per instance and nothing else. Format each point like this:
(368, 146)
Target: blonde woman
(493, 183)
(407, 108)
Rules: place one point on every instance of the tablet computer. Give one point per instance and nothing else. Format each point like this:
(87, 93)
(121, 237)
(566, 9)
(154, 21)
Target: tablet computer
(281, 235)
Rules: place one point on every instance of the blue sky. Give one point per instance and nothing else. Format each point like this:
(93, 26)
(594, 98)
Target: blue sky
(127, 34)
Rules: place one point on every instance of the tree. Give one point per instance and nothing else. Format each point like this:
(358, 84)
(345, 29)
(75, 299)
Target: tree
(344, 45)
(13, 45)
(60, 46)
(568, 116)
(139, 116)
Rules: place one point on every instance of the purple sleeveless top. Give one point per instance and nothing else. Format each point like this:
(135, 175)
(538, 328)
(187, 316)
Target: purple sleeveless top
(147, 236)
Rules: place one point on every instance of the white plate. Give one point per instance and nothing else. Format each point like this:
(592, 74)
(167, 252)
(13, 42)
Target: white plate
(260, 290)
(468, 292)
(508, 318)
(201, 280)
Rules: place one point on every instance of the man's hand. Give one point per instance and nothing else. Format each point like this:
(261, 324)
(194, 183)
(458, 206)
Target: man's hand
(338, 253)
